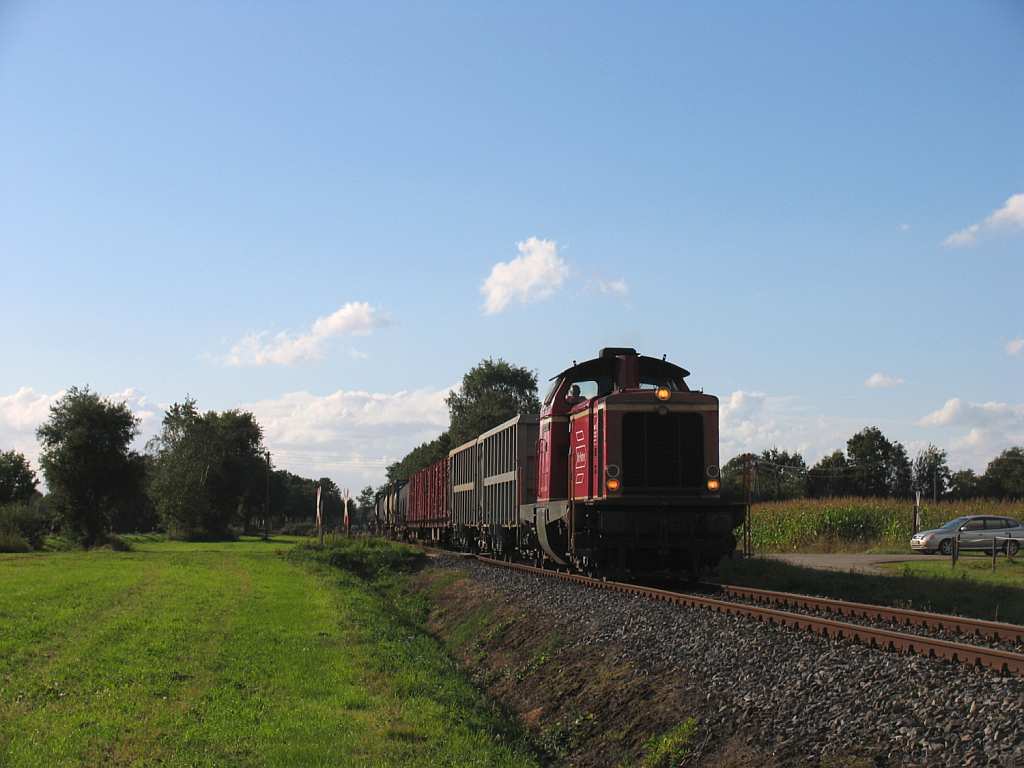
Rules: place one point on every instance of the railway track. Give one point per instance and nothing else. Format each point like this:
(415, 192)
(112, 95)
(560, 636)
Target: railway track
(752, 604)
(937, 622)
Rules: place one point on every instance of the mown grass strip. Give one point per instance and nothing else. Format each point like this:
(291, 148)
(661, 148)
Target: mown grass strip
(228, 654)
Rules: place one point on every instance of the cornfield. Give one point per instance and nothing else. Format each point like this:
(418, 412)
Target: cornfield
(856, 523)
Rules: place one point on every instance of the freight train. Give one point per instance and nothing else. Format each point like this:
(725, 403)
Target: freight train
(617, 474)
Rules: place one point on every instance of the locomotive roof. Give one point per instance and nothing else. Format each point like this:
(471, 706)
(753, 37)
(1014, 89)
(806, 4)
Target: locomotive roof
(649, 366)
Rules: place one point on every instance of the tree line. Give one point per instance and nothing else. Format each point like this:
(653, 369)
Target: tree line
(872, 465)
(206, 474)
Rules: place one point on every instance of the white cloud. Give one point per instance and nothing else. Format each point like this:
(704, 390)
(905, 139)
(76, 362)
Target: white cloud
(1015, 346)
(879, 380)
(904, 227)
(536, 273)
(615, 287)
(977, 431)
(956, 412)
(753, 421)
(356, 318)
(1010, 216)
(349, 435)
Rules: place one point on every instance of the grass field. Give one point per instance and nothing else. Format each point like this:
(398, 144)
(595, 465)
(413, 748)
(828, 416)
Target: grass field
(194, 654)
(856, 524)
(929, 584)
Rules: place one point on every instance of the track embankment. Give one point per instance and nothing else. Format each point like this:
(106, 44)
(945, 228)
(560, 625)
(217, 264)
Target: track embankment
(596, 672)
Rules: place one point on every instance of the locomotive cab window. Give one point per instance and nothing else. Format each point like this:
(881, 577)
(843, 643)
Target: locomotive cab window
(581, 390)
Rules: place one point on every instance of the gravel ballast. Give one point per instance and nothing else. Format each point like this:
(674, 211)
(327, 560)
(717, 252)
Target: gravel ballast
(795, 695)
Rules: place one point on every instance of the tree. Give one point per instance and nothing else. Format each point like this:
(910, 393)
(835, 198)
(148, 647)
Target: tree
(1004, 475)
(781, 475)
(491, 392)
(830, 476)
(964, 484)
(420, 457)
(17, 479)
(208, 470)
(330, 502)
(733, 476)
(87, 462)
(292, 499)
(361, 508)
(878, 467)
(931, 472)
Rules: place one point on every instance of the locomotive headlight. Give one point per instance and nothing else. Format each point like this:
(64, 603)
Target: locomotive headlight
(714, 484)
(614, 484)
(663, 393)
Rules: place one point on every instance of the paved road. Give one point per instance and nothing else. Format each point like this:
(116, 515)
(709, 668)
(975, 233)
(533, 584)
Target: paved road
(841, 561)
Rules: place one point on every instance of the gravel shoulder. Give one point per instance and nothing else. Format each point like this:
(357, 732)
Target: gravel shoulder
(761, 695)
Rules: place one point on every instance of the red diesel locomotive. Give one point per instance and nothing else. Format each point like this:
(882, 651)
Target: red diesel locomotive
(618, 473)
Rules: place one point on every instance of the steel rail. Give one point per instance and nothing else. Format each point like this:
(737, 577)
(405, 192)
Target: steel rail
(1000, 661)
(993, 630)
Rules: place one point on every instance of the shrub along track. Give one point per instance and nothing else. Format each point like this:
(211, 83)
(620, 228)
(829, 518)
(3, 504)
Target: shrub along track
(750, 605)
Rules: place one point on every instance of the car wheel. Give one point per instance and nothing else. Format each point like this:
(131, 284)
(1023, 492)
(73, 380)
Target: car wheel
(946, 547)
(1012, 547)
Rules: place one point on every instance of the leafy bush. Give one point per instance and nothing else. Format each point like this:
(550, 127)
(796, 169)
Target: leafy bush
(26, 520)
(368, 558)
(119, 544)
(844, 522)
(13, 542)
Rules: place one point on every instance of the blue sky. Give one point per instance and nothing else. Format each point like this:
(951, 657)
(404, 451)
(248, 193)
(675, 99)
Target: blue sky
(779, 196)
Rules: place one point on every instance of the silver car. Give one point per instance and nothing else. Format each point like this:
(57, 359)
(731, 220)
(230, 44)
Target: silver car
(975, 532)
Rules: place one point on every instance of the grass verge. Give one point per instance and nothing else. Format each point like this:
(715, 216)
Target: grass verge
(929, 585)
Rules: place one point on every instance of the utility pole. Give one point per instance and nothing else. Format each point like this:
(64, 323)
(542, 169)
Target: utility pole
(266, 504)
(748, 467)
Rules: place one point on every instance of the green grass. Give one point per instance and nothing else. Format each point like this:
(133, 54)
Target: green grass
(927, 585)
(670, 748)
(195, 654)
(970, 567)
(856, 524)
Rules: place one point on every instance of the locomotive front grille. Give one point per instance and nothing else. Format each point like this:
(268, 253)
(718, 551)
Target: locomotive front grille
(662, 452)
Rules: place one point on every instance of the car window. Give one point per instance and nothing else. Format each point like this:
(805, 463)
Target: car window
(975, 525)
(1012, 523)
(955, 523)
(995, 523)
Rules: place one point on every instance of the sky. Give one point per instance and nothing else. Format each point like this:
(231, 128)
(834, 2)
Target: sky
(326, 213)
